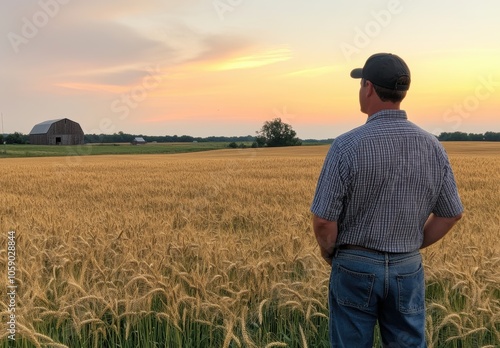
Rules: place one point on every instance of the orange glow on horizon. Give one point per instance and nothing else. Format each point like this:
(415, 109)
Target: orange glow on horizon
(268, 84)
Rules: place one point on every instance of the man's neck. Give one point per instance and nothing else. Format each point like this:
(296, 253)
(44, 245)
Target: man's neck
(383, 106)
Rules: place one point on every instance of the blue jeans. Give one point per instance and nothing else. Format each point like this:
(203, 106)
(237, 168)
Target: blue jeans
(368, 286)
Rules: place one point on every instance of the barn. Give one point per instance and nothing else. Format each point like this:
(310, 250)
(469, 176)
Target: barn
(139, 141)
(57, 132)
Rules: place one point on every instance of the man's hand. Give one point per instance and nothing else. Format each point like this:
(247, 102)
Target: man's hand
(326, 235)
(327, 257)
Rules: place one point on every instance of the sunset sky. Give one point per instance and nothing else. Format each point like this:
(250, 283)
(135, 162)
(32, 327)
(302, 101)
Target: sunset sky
(224, 67)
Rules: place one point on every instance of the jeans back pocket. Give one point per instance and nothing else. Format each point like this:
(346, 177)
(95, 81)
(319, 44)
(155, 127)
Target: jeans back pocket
(352, 288)
(411, 289)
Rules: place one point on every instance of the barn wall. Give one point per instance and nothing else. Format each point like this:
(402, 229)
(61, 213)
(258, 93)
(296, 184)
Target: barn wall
(38, 139)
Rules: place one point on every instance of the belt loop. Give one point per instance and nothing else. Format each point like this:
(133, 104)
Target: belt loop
(335, 252)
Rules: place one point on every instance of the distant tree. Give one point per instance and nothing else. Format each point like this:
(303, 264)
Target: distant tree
(260, 141)
(232, 145)
(185, 139)
(277, 133)
(16, 138)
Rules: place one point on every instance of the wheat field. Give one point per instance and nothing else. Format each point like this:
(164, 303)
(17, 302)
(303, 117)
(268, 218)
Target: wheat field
(215, 249)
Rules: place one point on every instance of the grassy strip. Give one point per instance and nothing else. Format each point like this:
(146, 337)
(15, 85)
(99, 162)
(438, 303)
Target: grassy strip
(11, 151)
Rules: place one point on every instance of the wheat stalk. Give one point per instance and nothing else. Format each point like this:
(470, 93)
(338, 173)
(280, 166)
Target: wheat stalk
(276, 344)
(246, 337)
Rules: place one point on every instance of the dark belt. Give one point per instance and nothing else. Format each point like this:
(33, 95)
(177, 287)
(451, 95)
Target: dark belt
(357, 247)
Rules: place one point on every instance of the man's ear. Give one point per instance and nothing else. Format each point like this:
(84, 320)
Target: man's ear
(369, 88)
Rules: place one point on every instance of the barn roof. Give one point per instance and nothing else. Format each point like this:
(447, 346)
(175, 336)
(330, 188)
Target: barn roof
(139, 139)
(43, 127)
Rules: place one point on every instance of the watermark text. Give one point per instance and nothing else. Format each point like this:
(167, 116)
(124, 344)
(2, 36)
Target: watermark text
(11, 287)
(224, 6)
(31, 26)
(373, 28)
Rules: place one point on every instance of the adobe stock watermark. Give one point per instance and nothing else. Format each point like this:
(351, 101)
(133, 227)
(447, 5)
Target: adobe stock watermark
(457, 113)
(218, 182)
(224, 6)
(12, 285)
(363, 36)
(123, 105)
(284, 115)
(31, 26)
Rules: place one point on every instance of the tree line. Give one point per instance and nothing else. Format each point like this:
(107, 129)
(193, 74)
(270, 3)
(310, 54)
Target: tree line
(274, 134)
(461, 136)
(122, 137)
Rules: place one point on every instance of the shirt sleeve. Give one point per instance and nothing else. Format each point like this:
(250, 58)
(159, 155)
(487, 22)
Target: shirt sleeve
(332, 186)
(448, 203)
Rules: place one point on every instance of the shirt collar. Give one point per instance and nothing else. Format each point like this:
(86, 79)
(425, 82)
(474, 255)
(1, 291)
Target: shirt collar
(388, 114)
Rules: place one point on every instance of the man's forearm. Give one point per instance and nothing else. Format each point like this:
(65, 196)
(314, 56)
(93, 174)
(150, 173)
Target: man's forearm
(326, 236)
(436, 228)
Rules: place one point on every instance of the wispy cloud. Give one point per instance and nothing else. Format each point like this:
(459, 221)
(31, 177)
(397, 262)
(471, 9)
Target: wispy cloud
(255, 60)
(91, 87)
(313, 72)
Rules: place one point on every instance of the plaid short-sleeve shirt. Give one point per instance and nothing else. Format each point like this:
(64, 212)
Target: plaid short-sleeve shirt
(382, 180)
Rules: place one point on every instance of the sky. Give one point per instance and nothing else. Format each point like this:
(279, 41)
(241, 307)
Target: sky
(224, 67)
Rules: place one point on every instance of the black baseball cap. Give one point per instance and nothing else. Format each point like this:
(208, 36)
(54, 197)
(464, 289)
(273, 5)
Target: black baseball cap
(384, 70)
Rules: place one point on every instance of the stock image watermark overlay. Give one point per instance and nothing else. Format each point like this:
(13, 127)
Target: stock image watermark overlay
(224, 6)
(136, 95)
(465, 108)
(284, 115)
(32, 25)
(363, 36)
(11, 287)
(126, 102)
(121, 108)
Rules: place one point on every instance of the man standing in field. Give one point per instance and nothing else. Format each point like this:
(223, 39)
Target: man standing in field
(386, 190)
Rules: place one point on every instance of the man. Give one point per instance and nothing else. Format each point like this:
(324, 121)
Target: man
(386, 190)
